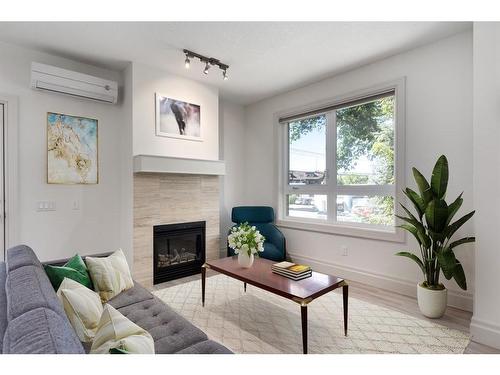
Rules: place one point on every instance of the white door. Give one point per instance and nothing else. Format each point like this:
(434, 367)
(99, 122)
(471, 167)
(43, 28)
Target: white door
(2, 186)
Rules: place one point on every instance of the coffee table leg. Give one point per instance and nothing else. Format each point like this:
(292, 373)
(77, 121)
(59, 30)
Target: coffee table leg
(203, 276)
(303, 314)
(245, 287)
(345, 295)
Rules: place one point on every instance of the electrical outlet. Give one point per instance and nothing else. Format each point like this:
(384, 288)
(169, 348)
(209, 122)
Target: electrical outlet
(76, 205)
(344, 251)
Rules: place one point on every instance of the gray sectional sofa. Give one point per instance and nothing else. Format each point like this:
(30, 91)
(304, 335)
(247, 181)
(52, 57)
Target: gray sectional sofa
(33, 321)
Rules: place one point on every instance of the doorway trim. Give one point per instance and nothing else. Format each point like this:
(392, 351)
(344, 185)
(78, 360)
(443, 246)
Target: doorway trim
(11, 105)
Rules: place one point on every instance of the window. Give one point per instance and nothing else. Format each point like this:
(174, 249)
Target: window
(339, 165)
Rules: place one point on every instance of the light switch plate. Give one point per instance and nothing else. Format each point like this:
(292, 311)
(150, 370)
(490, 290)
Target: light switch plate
(43, 206)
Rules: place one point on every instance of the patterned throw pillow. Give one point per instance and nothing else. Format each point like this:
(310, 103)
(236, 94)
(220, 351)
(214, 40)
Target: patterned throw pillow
(110, 275)
(115, 331)
(82, 306)
(74, 269)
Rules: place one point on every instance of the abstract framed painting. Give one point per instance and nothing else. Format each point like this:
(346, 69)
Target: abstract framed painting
(177, 119)
(72, 149)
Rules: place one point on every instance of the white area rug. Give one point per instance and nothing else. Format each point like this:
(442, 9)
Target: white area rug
(260, 322)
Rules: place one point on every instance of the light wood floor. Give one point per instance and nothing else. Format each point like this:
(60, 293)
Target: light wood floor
(454, 318)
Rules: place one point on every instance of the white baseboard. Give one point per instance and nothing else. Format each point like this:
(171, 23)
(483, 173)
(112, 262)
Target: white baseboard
(484, 332)
(461, 300)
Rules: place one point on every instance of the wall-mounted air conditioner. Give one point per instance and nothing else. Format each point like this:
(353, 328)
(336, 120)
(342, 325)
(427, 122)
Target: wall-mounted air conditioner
(62, 81)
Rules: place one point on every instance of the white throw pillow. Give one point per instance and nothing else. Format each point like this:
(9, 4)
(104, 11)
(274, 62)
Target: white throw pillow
(82, 306)
(117, 331)
(110, 275)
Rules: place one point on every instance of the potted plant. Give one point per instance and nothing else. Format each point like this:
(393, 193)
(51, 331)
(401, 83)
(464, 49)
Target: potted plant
(247, 242)
(433, 229)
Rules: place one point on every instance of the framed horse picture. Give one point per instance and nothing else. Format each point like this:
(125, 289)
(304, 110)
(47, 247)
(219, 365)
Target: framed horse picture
(177, 119)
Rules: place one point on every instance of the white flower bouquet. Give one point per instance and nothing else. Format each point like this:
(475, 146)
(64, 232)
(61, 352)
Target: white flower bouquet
(246, 239)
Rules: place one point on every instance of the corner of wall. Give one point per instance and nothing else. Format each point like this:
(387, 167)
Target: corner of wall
(487, 333)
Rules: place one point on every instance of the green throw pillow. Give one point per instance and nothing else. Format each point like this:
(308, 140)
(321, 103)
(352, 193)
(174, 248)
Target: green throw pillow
(74, 269)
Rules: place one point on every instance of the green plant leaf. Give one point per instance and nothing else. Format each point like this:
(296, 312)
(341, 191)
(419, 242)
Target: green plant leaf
(439, 179)
(410, 228)
(417, 201)
(412, 257)
(423, 185)
(453, 208)
(424, 238)
(459, 276)
(452, 228)
(410, 220)
(436, 215)
(461, 241)
(409, 213)
(436, 236)
(447, 262)
(452, 267)
(421, 231)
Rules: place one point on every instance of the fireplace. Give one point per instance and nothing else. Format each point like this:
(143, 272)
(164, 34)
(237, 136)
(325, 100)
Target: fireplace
(178, 250)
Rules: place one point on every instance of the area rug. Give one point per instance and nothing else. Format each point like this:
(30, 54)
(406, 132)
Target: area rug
(260, 322)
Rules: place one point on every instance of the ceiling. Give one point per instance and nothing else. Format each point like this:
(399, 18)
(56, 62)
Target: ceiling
(265, 58)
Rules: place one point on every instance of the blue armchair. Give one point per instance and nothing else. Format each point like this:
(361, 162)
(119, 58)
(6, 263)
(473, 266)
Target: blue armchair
(263, 219)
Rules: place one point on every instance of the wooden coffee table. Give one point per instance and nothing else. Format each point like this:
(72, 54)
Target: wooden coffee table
(261, 276)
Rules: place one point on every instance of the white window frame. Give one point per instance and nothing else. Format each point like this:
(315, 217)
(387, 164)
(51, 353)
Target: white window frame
(330, 225)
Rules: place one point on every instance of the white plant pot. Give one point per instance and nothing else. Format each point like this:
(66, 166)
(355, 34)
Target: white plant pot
(432, 303)
(244, 260)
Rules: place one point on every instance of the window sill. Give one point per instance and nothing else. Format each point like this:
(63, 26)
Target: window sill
(344, 230)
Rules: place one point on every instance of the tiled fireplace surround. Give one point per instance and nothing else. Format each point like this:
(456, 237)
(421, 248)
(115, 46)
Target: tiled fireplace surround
(167, 198)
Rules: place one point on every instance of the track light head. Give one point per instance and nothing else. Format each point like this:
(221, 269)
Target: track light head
(207, 66)
(224, 75)
(187, 63)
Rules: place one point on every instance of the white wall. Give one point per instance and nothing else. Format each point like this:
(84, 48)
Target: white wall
(232, 145)
(146, 82)
(485, 325)
(95, 227)
(439, 121)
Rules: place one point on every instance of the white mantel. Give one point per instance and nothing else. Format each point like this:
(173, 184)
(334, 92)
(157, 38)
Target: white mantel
(166, 164)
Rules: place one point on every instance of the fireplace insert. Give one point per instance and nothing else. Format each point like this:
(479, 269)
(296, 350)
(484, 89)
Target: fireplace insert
(178, 250)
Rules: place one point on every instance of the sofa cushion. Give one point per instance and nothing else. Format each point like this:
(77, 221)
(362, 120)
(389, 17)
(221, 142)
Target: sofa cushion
(117, 331)
(3, 303)
(20, 256)
(83, 308)
(74, 269)
(110, 275)
(205, 347)
(28, 288)
(130, 296)
(40, 331)
(170, 331)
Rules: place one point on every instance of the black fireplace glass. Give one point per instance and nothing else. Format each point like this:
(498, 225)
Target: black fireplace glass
(179, 250)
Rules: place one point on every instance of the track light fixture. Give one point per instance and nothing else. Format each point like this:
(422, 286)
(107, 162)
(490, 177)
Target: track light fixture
(208, 61)
(207, 66)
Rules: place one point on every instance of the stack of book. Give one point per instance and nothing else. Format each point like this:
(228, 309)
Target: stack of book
(291, 270)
